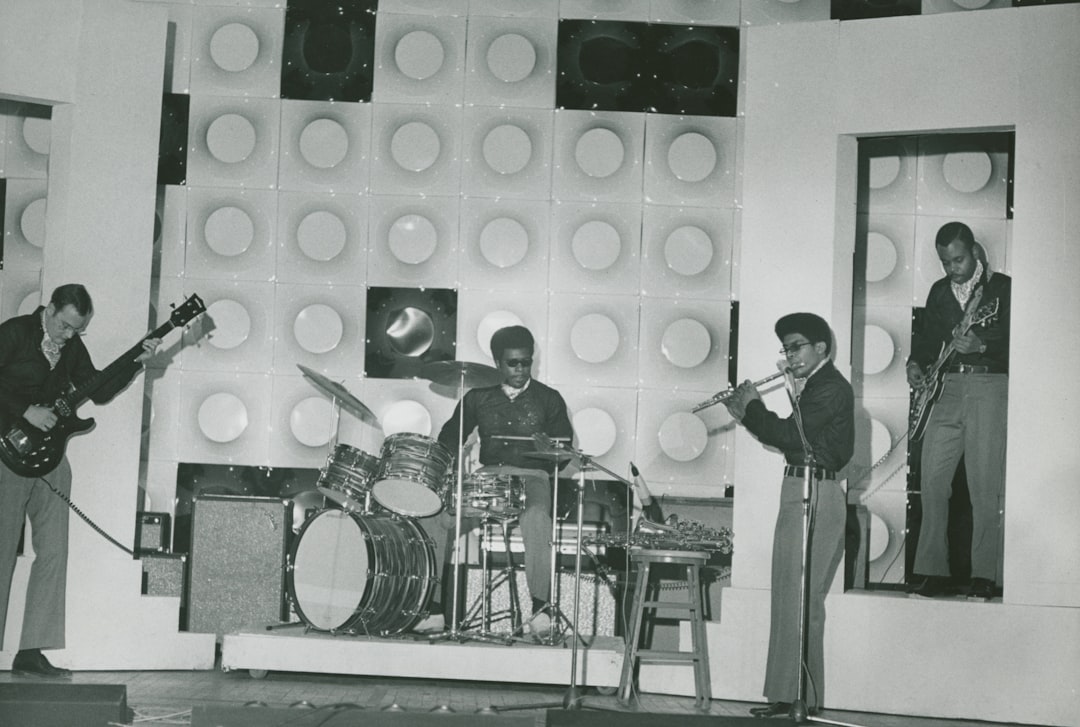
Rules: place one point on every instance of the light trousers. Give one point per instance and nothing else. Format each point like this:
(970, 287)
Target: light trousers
(826, 551)
(22, 498)
(969, 421)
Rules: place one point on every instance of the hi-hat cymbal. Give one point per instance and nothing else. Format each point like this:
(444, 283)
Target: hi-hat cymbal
(339, 393)
(453, 373)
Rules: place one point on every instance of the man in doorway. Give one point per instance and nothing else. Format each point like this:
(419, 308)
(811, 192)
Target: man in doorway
(965, 325)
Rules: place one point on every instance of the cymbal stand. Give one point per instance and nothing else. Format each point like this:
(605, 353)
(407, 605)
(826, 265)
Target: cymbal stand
(454, 633)
(572, 698)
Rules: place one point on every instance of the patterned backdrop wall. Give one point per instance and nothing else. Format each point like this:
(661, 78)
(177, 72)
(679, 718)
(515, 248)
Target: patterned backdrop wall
(331, 169)
(364, 188)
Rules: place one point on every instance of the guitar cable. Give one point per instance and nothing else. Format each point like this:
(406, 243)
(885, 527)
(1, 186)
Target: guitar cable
(86, 519)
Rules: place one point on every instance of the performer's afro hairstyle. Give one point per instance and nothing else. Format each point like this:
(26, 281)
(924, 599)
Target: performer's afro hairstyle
(510, 337)
(810, 325)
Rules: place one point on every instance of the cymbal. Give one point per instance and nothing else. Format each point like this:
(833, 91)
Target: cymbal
(452, 373)
(339, 393)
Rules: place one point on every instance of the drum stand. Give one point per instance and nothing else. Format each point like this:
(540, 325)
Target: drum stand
(482, 606)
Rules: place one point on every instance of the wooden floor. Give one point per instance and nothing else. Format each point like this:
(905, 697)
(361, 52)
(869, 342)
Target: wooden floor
(167, 698)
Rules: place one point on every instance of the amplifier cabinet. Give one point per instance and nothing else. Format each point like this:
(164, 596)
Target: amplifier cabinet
(163, 574)
(152, 532)
(596, 610)
(236, 577)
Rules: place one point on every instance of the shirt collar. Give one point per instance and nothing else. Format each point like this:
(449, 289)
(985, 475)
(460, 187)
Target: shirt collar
(512, 393)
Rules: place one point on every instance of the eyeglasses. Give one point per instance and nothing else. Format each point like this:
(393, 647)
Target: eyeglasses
(514, 363)
(789, 350)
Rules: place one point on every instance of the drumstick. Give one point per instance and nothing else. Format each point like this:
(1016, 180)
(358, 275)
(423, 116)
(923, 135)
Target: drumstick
(530, 438)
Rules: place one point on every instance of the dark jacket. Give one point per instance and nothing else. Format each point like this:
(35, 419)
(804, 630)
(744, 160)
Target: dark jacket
(828, 416)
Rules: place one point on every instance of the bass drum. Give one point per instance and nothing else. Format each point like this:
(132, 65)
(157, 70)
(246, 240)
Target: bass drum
(361, 574)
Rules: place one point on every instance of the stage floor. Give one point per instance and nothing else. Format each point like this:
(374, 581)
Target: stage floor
(599, 658)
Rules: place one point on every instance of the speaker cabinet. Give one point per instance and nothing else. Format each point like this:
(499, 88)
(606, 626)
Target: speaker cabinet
(236, 576)
(152, 532)
(61, 705)
(163, 575)
(596, 609)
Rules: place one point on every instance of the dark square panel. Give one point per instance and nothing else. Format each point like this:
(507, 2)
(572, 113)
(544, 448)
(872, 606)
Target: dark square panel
(867, 9)
(697, 70)
(329, 50)
(642, 67)
(408, 328)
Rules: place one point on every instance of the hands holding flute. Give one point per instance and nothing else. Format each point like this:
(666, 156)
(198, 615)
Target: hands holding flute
(742, 395)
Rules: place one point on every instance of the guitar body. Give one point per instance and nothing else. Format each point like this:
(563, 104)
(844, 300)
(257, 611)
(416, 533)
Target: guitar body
(29, 452)
(922, 402)
(924, 398)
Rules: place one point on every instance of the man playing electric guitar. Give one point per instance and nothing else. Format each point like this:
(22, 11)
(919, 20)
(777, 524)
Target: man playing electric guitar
(41, 355)
(969, 418)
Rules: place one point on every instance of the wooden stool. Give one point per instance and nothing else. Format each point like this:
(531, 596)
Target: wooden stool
(699, 657)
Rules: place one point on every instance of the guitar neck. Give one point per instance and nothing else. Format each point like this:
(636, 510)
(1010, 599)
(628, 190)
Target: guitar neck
(85, 390)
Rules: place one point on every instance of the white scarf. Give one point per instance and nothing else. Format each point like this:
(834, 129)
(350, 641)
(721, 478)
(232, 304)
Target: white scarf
(48, 346)
(962, 291)
(512, 393)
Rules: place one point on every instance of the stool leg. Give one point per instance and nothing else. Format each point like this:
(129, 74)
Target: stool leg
(703, 692)
(626, 682)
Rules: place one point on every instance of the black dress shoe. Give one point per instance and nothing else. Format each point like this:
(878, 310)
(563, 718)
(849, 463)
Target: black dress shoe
(772, 710)
(32, 663)
(982, 589)
(930, 587)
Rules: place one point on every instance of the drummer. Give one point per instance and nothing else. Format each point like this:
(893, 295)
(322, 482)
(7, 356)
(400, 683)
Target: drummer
(518, 407)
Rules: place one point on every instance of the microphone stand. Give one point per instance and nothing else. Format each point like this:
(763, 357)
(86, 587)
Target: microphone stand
(799, 713)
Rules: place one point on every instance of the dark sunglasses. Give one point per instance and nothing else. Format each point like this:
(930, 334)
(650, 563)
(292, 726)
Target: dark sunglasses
(514, 363)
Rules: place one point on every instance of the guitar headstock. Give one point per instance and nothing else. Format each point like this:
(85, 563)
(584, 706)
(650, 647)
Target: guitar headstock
(187, 310)
(985, 314)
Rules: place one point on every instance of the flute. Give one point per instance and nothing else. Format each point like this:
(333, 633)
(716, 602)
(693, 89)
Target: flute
(727, 394)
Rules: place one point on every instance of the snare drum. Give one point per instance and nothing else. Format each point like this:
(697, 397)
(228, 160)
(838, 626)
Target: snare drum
(361, 574)
(346, 478)
(487, 494)
(411, 474)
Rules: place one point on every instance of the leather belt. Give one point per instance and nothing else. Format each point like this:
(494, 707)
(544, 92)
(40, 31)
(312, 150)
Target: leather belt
(968, 369)
(792, 470)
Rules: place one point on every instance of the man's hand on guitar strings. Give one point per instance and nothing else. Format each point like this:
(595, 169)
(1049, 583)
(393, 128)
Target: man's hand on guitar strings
(968, 343)
(41, 417)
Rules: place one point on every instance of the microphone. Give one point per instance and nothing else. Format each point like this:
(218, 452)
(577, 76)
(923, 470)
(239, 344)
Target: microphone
(649, 507)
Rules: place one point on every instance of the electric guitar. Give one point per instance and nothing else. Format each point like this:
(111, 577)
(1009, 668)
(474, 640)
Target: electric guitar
(926, 394)
(30, 452)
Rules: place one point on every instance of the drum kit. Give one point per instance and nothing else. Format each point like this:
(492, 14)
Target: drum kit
(365, 566)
